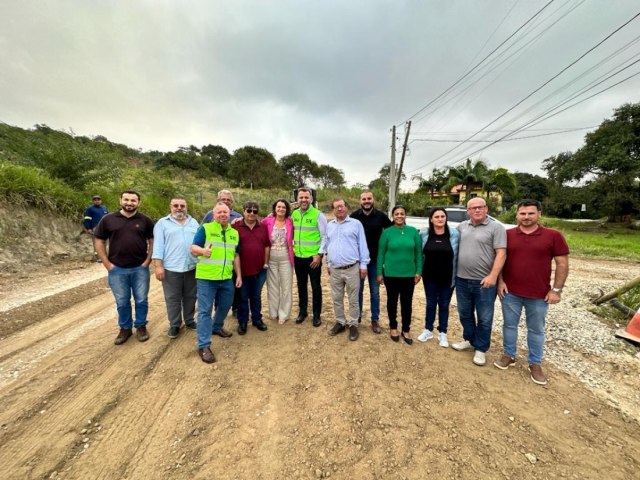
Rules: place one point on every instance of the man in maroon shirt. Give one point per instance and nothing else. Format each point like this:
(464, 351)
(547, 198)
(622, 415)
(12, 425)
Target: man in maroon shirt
(524, 283)
(254, 262)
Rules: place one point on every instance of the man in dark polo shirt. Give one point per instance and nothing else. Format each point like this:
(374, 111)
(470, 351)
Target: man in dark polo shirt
(374, 222)
(130, 236)
(524, 283)
(254, 262)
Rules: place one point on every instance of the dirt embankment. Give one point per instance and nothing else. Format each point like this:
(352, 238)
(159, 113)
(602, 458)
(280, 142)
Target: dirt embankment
(291, 402)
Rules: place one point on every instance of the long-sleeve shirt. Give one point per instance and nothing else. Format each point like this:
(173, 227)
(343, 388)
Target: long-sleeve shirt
(93, 214)
(400, 252)
(173, 242)
(345, 244)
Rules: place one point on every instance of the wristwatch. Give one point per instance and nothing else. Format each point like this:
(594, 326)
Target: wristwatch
(556, 290)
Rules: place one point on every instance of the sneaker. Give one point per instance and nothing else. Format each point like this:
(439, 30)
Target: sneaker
(463, 345)
(443, 340)
(505, 362)
(173, 332)
(537, 375)
(479, 358)
(191, 326)
(425, 335)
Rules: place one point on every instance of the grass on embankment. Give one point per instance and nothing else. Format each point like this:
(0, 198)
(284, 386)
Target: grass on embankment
(599, 239)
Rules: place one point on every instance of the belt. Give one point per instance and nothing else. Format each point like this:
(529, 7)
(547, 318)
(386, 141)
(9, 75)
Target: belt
(346, 266)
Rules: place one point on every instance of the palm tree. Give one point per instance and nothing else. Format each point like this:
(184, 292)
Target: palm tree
(469, 174)
(500, 180)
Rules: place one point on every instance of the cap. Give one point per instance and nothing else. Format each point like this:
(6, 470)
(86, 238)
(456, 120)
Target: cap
(96, 197)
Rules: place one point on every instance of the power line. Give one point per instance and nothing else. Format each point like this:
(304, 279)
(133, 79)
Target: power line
(479, 63)
(444, 140)
(534, 91)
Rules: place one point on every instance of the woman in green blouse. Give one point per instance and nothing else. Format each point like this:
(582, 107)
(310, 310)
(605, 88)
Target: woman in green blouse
(400, 267)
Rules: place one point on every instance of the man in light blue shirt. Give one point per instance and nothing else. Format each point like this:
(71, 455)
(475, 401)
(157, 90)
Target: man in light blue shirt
(347, 258)
(175, 266)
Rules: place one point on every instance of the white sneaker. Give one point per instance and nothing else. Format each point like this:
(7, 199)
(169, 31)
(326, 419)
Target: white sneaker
(479, 358)
(425, 335)
(463, 345)
(442, 339)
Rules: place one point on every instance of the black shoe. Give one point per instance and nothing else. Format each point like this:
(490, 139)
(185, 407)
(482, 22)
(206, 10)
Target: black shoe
(301, 318)
(173, 332)
(260, 326)
(191, 326)
(317, 321)
(360, 319)
(336, 329)
(353, 333)
(222, 333)
(408, 341)
(242, 328)
(395, 338)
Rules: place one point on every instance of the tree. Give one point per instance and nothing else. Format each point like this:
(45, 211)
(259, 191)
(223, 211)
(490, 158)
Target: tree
(528, 186)
(500, 180)
(255, 168)
(217, 158)
(299, 168)
(330, 177)
(435, 183)
(609, 162)
(383, 178)
(468, 175)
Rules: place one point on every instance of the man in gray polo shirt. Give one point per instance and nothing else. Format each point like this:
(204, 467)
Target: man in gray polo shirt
(483, 250)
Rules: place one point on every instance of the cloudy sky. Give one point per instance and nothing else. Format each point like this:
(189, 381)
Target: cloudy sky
(327, 78)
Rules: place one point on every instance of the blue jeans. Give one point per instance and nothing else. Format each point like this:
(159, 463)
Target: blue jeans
(437, 296)
(374, 292)
(124, 283)
(474, 300)
(251, 298)
(535, 312)
(219, 292)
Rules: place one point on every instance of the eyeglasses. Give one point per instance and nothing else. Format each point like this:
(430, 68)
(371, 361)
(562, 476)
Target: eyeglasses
(339, 207)
(482, 207)
(251, 210)
(175, 205)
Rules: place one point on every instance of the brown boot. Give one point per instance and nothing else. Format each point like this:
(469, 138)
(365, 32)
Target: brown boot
(123, 336)
(206, 355)
(353, 333)
(375, 326)
(336, 329)
(537, 375)
(142, 334)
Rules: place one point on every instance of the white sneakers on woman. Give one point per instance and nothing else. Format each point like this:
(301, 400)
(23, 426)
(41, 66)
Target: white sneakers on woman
(428, 335)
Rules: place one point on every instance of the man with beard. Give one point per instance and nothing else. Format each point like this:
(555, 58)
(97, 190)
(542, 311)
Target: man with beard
(309, 229)
(175, 266)
(216, 245)
(130, 235)
(374, 222)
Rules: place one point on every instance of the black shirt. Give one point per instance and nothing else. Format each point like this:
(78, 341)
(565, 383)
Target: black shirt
(128, 238)
(438, 260)
(373, 224)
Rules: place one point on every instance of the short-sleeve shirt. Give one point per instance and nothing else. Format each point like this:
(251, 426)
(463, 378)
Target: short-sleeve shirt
(527, 271)
(478, 244)
(128, 238)
(253, 241)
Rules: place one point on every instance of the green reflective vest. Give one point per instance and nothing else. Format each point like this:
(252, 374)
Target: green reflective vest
(306, 234)
(223, 243)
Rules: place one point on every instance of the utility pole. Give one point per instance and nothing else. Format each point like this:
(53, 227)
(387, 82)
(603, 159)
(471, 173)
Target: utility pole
(392, 172)
(404, 151)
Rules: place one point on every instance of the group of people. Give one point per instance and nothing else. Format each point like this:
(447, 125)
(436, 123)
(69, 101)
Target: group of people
(223, 263)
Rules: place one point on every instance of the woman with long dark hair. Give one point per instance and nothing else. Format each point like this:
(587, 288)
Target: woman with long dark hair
(440, 250)
(399, 266)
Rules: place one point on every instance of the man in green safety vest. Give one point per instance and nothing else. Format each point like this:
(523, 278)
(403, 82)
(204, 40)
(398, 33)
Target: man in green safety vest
(309, 229)
(216, 246)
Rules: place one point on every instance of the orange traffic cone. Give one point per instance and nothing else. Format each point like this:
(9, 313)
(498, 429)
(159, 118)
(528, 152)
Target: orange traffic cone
(632, 332)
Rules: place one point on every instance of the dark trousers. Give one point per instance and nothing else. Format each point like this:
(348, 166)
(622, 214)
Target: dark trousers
(437, 296)
(251, 298)
(180, 294)
(399, 287)
(304, 271)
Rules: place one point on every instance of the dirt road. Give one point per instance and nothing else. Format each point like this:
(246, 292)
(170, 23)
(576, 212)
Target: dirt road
(291, 402)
